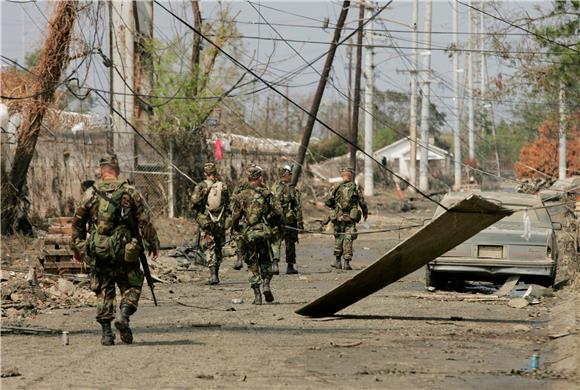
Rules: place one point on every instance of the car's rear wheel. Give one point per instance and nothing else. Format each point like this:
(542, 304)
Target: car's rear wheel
(434, 279)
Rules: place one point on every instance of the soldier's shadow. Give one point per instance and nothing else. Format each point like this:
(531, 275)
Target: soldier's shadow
(164, 342)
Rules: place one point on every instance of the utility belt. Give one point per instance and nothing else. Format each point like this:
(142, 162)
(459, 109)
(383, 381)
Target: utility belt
(340, 215)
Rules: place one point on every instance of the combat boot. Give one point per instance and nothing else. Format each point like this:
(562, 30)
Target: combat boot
(336, 264)
(275, 268)
(122, 324)
(214, 278)
(108, 337)
(346, 265)
(238, 264)
(290, 270)
(257, 296)
(267, 290)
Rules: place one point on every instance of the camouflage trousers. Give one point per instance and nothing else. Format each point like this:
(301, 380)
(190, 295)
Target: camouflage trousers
(257, 257)
(290, 238)
(212, 243)
(129, 278)
(344, 235)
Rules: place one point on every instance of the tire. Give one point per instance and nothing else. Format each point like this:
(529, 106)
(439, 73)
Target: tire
(433, 279)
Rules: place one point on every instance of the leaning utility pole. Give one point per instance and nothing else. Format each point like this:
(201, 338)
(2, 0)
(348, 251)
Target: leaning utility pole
(413, 110)
(369, 187)
(196, 49)
(470, 113)
(319, 92)
(562, 134)
(357, 77)
(53, 61)
(425, 101)
(457, 121)
(143, 68)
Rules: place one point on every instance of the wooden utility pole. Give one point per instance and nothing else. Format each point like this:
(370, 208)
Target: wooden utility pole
(196, 49)
(369, 187)
(470, 81)
(562, 166)
(456, 110)
(413, 108)
(53, 61)
(426, 101)
(357, 76)
(319, 92)
(349, 89)
(122, 82)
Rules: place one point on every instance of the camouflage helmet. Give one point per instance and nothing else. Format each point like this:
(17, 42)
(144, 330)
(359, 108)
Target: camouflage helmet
(210, 169)
(254, 172)
(347, 169)
(110, 160)
(285, 170)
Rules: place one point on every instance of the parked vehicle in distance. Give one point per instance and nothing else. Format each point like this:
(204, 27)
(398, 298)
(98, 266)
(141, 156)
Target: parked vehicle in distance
(509, 247)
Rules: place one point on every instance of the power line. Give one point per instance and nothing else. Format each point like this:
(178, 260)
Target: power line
(239, 64)
(374, 30)
(498, 53)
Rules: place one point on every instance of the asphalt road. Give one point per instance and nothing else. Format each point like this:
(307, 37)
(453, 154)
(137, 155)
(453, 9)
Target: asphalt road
(394, 339)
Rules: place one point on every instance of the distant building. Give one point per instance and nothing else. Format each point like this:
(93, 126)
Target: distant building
(398, 156)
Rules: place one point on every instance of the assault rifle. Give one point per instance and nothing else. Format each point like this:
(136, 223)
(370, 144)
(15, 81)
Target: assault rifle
(142, 257)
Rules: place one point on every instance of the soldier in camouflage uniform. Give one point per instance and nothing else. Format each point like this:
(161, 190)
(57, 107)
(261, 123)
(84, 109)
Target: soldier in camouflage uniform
(344, 200)
(112, 212)
(210, 204)
(254, 212)
(288, 197)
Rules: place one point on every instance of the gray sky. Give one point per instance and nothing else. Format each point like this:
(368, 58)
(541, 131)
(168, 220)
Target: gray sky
(24, 28)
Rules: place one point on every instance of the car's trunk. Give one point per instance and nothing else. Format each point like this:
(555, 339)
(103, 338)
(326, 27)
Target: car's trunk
(504, 241)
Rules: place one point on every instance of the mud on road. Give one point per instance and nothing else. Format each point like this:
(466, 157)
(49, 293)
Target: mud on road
(398, 338)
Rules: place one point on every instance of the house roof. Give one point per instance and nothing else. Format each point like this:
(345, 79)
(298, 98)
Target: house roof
(405, 145)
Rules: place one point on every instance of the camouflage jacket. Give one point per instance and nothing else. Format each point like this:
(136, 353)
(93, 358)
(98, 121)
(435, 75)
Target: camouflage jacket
(86, 217)
(199, 202)
(344, 198)
(288, 197)
(251, 206)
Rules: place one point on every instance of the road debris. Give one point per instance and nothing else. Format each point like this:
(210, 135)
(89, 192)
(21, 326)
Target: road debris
(508, 286)
(454, 296)
(10, 372)
(345, 345)
(20, 298)
(518, 303)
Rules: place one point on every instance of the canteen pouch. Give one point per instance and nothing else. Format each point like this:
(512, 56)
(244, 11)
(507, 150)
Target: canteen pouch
(132, 250)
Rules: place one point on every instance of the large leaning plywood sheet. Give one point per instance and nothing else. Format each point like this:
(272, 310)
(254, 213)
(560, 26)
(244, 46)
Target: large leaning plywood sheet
(461, 221)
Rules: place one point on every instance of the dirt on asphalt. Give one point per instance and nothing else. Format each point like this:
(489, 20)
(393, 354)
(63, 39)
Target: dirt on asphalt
(399, 338)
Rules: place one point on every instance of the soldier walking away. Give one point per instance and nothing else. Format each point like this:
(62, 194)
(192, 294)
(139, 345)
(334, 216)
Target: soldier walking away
(254, 212)
(288, 197)
(113, 212)
(210, 203)
(344, 199)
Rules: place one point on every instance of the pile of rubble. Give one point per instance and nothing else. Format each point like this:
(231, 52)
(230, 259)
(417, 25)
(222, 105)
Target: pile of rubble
(27, 293)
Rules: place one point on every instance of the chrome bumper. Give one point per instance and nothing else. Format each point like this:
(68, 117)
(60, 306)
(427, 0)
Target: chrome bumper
(539, 267)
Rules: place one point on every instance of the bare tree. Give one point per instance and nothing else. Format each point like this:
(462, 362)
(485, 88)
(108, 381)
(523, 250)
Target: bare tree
(53, 61)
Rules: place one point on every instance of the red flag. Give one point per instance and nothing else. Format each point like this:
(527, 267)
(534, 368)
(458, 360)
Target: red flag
(218, 149)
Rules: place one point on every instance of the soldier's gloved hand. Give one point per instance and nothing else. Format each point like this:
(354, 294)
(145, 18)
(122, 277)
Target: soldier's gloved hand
(300, 225)
(154, 252)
